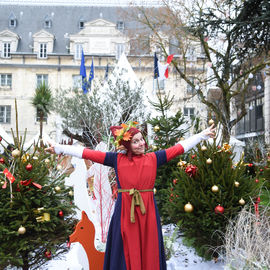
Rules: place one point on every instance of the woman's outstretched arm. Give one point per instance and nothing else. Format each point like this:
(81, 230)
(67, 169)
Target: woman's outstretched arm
(82, 152)
(166, 155)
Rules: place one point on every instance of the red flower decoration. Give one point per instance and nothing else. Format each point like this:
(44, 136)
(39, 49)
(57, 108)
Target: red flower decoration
(191, 170)
(48, 254)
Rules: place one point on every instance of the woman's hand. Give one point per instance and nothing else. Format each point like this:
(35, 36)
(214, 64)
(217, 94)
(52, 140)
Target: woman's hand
(210, 132)
(50, 149)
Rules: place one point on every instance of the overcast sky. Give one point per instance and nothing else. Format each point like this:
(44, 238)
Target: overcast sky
(81, 2)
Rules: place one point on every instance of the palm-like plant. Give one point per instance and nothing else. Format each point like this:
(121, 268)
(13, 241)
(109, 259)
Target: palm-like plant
(42, 100)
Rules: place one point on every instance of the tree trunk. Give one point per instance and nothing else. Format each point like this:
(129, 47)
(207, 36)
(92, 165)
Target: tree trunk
(25, 262)
(226, 134)
(41, 124)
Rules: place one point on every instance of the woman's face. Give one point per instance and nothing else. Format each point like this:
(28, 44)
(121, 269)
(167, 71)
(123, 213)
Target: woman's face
(137, 144)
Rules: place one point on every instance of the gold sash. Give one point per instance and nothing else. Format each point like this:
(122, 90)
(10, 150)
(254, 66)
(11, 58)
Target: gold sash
(136, 200)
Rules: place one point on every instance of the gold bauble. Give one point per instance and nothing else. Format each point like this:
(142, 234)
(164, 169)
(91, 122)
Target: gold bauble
(188, 207)
(242, 201)
(57, 189)
(21, 230)
(211, 122)
(155, 190)
(154, 147)
(209, 161)
(236, 184)
(156, 128)
(204, 148)
(47, 161)
(16, 153)
(2, 183)
(214, 188)
(70, 193)
(59, 167)
(47, 216)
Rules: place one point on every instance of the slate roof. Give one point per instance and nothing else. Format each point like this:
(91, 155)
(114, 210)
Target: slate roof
(65, 19)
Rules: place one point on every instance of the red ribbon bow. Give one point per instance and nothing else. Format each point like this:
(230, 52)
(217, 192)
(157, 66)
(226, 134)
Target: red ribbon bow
(191, 170)
(30, 181)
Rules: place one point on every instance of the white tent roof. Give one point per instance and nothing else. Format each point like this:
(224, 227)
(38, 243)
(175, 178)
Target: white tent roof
(45, 137)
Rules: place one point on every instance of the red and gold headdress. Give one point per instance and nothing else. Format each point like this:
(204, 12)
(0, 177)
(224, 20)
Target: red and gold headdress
(124, 132)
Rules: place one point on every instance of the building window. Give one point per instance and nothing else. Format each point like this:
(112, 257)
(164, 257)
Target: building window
(48, 23)
(42, 78)
(190, 88)
(45, 117)
(120, 25)
(189, 112)
(191, 53)
(5, 114)
(12, 21)
(159, 84)
(43, 50)
(6, 50)
(81, 24)
(6, 80)
(77, 81)
(120, 48)
(78, 51)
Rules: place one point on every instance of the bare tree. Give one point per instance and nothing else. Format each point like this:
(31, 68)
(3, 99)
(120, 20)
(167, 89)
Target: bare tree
(213, 32)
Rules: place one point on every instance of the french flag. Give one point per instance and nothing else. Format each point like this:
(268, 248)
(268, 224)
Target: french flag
(161, 71)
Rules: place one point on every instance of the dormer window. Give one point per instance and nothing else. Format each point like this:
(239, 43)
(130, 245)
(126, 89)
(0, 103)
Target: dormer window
(47, 22)
(120, 25)
(81, 23)
(12, 21)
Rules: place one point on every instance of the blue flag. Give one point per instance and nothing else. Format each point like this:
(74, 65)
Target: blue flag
(156, 72)
(83, 74)
(91, 75)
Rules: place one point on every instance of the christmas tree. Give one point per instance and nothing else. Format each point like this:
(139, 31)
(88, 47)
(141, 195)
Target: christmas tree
(36, 210)
(168, 131)
(207, 190)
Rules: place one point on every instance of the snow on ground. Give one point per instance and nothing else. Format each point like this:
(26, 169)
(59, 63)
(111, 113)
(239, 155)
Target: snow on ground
(183, 258)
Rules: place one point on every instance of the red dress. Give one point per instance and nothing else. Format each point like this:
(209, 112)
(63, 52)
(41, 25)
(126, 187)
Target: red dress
(138, 245)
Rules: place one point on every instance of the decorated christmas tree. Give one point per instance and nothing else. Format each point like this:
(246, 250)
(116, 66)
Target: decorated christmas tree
(168, 130)
(36, 210)
(207, 190)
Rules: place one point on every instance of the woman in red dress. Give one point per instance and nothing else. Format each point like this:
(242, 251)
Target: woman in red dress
(134, 239)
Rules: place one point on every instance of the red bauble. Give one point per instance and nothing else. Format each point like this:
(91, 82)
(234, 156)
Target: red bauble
(193, 156)
(219, 209)
(256, 180)
(29, 167)
(0, 138)
(48, 254)
(250, 165)
(60, 213)
(175, 181)
(2, 161)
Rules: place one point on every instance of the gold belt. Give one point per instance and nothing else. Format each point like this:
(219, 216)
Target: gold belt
(136, 200)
